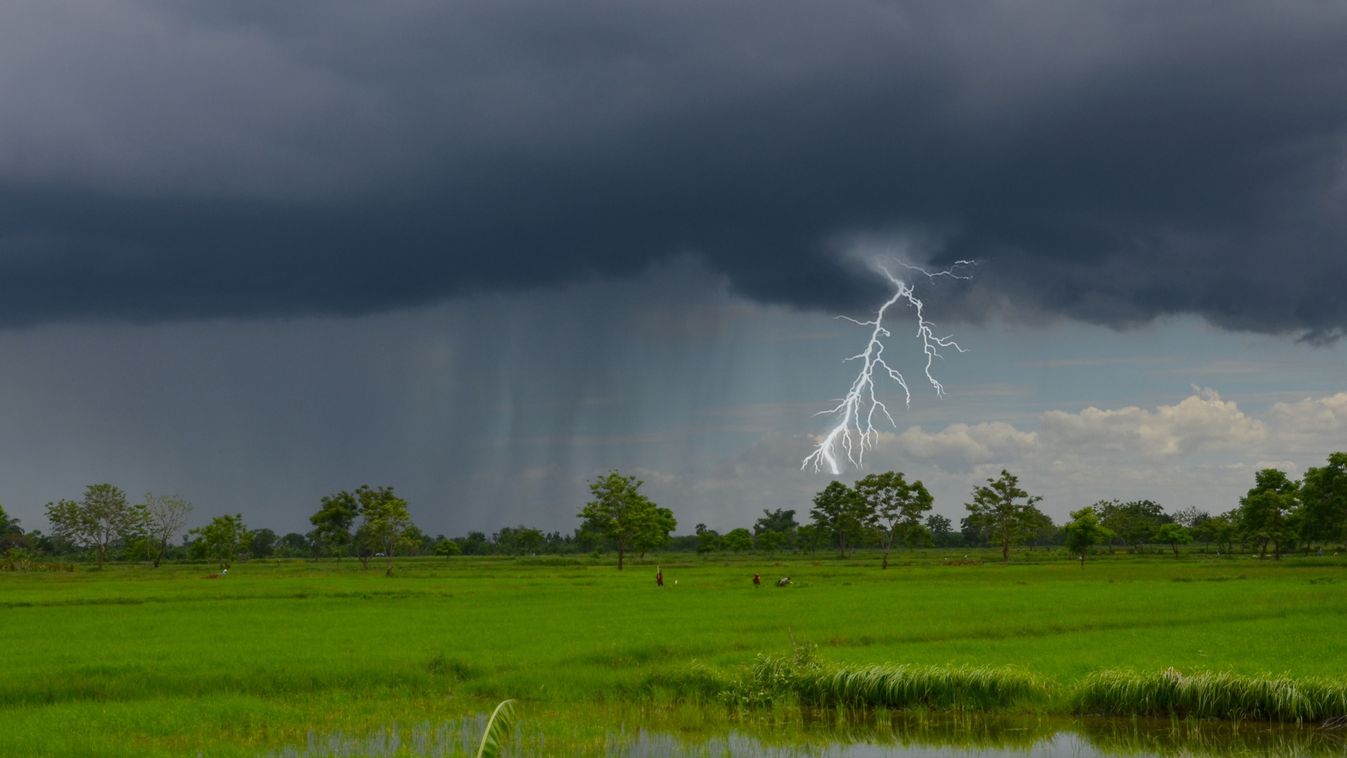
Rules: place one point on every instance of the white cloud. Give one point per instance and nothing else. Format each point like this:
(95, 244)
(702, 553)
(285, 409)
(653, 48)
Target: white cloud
(1201, 421)
(959, 445)
(1323, 418)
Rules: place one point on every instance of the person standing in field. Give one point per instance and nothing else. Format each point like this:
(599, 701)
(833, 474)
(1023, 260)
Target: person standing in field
(659, 577)
(757, 581)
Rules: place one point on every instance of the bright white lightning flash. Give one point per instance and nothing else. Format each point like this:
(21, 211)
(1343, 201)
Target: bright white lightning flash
(855, 429)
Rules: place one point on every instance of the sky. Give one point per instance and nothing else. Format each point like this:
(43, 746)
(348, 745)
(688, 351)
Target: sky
(254, 253)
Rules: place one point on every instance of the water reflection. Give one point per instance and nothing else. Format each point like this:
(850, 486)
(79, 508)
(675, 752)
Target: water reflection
(832, 734)
(930, 735)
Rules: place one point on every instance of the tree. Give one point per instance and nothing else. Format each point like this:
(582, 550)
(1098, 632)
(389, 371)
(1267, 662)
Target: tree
(530, 541)
(165, 516)
(942, 531)
(1217, 529)
(293, 545)
(1003, 511)
(416, 542)
(1198, 523)
(223, 539)
(332, 523)
(385, 523)
(447, 548)
(1134, 522)
(101, 517)
(1266, 513)
(1174, 535)
(519, 540)
(261, 543)
(1323, 497)
(621, 514)
(770, 542)
(738, 540)
(655, 534)
(839, 512)
(894, 506)
(1190, 516)
(708, 540)
(971, 534)
(780, 523)
(10, 533)
(1039, 529)
(1084, 531)
(810, 537)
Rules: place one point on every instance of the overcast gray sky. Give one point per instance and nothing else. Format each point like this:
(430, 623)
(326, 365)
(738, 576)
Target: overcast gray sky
(254, 253)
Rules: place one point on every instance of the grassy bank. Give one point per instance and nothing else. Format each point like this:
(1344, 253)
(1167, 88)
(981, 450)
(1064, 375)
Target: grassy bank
(135, 661)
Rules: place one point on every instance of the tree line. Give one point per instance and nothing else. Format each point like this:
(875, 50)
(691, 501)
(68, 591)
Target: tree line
(881, 511)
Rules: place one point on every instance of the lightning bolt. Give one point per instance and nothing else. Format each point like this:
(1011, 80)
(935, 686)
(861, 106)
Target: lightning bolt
(856, 411)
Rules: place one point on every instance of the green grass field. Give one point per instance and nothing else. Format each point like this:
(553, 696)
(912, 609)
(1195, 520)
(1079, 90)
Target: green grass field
(135, 661)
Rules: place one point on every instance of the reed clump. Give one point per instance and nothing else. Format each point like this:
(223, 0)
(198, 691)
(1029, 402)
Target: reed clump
(801, 677)
(774, 678)
(935, 687)
(1219, 695)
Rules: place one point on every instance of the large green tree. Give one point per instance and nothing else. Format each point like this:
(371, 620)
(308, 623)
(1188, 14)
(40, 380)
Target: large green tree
(1323, 498)
(223, 539)
(1084, 531)
(294, 545)
(333, 521)
(97, 520)
(385, 523)
(1221, 530)
(1267, 513)
(655, 535)
(840, 513)
(262, 543)
(519, 540)
(942, 531)
(624, 516)
(1003, 511)
(708, 540)
(895, 507)
(1133, 523)
(738, 540)
(1174, 535)
(776, 528)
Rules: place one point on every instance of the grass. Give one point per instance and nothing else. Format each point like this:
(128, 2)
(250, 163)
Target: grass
(135, 661)
(1213, 694)
(940, 687)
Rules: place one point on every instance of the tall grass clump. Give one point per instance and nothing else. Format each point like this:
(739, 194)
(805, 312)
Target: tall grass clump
(936, 687)
(1212, 695)
(773, 678)
(802, 677)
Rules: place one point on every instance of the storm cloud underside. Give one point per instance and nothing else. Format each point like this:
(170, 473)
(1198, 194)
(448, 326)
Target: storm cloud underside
(1111, 162)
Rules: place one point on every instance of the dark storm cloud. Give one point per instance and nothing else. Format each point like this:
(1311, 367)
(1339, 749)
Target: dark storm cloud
(1110, 161)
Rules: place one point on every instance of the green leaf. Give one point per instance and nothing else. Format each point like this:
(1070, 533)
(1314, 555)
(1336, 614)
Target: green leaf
(502, 719)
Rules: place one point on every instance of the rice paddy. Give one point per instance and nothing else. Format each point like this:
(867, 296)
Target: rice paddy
(282, 655)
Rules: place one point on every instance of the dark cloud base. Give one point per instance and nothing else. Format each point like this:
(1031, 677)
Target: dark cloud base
(1110, 163)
